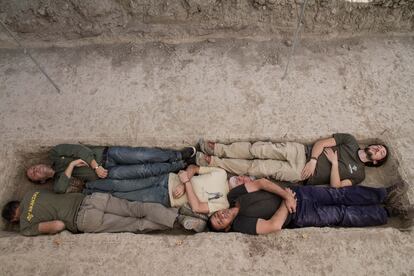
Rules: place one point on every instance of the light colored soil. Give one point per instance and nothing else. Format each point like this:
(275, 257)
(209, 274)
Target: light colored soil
(227, 89)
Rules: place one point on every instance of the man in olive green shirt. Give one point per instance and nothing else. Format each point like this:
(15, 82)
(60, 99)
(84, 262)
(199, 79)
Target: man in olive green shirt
(43, 212)
(89, 163)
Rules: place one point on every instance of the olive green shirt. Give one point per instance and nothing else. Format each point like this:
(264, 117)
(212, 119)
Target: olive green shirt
(63, 154)
(43, 206)
(349, 165)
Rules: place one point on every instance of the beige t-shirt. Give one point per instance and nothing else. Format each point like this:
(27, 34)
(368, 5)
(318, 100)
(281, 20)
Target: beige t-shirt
(210, 186)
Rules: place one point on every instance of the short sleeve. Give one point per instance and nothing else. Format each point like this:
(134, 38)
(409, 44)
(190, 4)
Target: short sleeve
(344, 138)
(246, 225)
(235, 193)
(62, 182)
(30, 230)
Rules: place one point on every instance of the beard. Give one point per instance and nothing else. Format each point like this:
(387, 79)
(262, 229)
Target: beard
(368, 153)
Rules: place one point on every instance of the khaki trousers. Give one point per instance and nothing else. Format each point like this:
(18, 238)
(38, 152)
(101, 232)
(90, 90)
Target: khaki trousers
(101, 212)
(281, 161)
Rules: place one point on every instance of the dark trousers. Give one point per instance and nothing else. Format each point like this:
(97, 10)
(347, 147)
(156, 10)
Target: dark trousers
(354, 206)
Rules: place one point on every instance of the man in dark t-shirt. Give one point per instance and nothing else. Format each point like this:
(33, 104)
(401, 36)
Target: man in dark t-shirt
(337, 160)
(260, 212)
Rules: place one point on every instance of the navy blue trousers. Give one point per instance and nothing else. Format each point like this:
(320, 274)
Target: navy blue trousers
(353, 206)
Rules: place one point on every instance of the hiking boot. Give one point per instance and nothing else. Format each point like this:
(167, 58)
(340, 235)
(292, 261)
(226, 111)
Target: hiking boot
(206, 146)
(188, 153)
(187, 211)
(192, 223)
(397, 202)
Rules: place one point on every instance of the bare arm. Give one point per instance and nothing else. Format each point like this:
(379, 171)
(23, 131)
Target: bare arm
(267, 185)
(275, 223)
(51, 227)
(335, 179)
(317, 149)
(195, 203)
(72, 165)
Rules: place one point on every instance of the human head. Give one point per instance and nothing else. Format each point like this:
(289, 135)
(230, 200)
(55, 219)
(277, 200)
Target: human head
(10, 211)
(40, 173)
(377, 154)
(221, 220)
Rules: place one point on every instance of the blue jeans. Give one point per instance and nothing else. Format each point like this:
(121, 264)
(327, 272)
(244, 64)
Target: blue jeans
(151, 189)
(354, 206)
(141, 162)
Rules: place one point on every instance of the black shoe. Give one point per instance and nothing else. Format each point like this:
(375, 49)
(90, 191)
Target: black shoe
(188, 153)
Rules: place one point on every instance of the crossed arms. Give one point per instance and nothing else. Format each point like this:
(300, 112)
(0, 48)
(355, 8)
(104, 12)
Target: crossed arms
(325, 145)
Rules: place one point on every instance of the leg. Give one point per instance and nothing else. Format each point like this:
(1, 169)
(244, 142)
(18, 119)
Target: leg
(310, 214)
(240, 150)
(104, 213)
(127, 185)
(144, 170)
(109, 223)
(355, 195)
(140, 155)
(288, 151)
(278, 170)
(152, 189)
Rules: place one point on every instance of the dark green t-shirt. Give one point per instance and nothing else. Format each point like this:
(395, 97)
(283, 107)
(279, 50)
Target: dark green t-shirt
(349, 165)
(42, 206)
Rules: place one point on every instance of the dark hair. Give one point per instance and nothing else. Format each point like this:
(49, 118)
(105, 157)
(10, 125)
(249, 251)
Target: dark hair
(210, 226)
(379, 162)
(9, 210)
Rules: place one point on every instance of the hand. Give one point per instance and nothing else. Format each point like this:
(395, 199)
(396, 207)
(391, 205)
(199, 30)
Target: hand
(79, 163)
(183, 175)
(101, 172)
(191, 171)
(309, 169)
(178, 191)
(331, 155)
(290, 201)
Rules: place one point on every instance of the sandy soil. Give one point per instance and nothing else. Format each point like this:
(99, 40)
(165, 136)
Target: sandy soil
(170, 94)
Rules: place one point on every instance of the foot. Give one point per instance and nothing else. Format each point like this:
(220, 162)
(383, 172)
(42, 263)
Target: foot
(397, 202)
(192, 223)
(203, 159)
(206, 146)
(188, 153)
(187, 211)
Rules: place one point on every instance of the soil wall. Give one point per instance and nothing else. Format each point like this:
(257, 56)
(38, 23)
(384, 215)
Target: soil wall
(47, 20)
